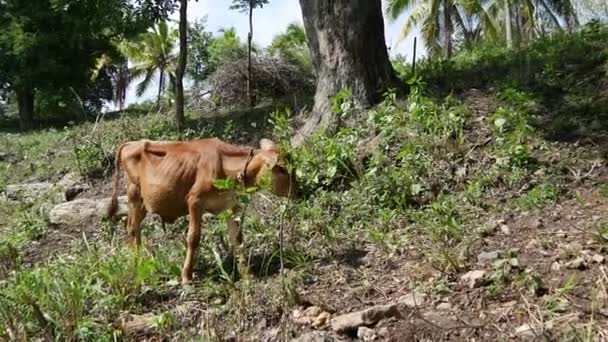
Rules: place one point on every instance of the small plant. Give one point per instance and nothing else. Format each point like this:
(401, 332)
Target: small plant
(540, 196)
(602, 232)
(557, 300)
(503, 267)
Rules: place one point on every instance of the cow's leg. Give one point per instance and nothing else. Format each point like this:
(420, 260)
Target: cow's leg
(194, 236)
(137, 213)
(235, 234)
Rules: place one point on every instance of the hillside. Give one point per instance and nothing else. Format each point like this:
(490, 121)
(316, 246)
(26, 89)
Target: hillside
(475, 209)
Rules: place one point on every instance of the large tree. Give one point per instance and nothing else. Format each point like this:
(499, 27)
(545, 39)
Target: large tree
(346, 39)
(54, 45)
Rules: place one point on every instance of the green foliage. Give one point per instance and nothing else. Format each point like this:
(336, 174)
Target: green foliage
(325, 162)
(503, 270)
(291, 46)
(78, 298)
(53, 46)
(225, 48)
(540, 196)
(244, 6)
(154, 52)
(199, 40)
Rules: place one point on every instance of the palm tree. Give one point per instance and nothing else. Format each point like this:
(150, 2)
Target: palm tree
(530, 19)
(435, 16)
(116, 65)
(292, 47)
(154, 54)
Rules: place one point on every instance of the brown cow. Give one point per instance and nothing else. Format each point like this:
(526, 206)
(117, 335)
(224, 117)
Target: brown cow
(174, 179)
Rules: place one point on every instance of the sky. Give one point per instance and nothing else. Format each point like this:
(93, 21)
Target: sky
(269, 21)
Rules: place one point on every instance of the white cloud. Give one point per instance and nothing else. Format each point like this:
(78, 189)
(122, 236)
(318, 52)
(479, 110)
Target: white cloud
(269, 21)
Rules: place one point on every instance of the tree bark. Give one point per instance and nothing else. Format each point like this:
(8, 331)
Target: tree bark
(25, 105)
(249, 72)
(449, 27)
(181, 66)
(348, 48)
(161, 85)
(508, 26)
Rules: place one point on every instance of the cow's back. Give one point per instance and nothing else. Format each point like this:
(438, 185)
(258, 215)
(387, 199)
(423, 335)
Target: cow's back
(166, 172)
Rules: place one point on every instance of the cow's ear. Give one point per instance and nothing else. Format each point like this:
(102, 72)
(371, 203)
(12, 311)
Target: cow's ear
(268, 145)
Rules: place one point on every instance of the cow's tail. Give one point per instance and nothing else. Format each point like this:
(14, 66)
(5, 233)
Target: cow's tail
(113, 207)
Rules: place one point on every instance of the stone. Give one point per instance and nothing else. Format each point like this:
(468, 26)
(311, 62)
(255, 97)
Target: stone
(306, 316)
(314, 336)
(81, 210)
(367, 317)
(475, 278)
(577, 264)
(525, 330)
(321, 320)
(556, 266)
(366, 334)
(26, 191)
(598, 258)
(413, 299)
(444, 306)
(487, 257)
(505, 229)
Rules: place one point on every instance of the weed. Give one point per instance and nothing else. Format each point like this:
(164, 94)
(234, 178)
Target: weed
(556, 301)
(602, 232)
(540, 196)
(503, 267)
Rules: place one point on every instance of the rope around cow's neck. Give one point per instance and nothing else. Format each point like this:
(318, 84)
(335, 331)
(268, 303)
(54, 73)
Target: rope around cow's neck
(241, 177)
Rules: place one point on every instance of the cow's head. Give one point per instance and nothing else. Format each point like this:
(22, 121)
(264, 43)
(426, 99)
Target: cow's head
(282, 178)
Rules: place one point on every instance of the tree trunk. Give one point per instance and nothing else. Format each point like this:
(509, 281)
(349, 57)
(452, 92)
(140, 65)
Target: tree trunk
(181, 66)
(249, 73)
(25, 105)
(346, 40)
(449, 27)
(508, 26)
(161, 85)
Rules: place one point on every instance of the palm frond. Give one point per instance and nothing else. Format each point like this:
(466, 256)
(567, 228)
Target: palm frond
(394, 8)
(145, 84)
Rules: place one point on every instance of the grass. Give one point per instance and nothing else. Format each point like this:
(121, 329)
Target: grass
(440, 171)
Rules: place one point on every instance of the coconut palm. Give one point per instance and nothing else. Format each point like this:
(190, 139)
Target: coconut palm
(291, 46)
(154, 53)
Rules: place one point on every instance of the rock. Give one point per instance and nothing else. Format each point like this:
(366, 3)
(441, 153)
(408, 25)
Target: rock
(525, 330)
(487, 257)
(505, 229)
(556, 266)
(366, 334)
(475, 278)
(81, 210)
(314, 336)
(414, 299)
(26, 191)
(441, 320)
(73, 191)
(598, 258)
(306, 316)
(367, 317)
(444, 306)
(133, 325)
(383, 332)
(72, 185)
(321, 320)
(577, 264)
